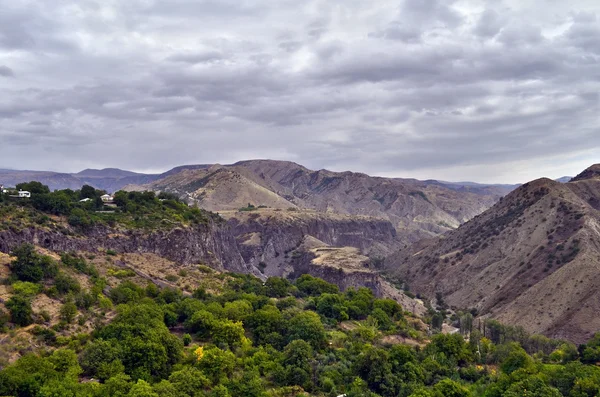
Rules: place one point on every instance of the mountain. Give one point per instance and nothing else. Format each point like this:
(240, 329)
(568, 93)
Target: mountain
(54, 180)
(415, 208)
(532, 260)
(109, 179)
(106, 173)
(564, 179)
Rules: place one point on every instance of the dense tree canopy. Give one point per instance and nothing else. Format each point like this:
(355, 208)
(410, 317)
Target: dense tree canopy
(242, 337)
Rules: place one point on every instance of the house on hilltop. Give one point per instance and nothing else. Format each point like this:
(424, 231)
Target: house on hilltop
(24, 194)
(107, 198)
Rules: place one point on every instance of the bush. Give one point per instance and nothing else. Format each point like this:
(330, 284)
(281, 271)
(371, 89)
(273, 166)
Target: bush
(20, 310)
(30, 266)
(26, 288)
(68, 311)
(80, 219)
(66, 284)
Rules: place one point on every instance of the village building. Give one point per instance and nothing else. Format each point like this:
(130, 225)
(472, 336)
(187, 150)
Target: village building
(24, 194)
(107, 198)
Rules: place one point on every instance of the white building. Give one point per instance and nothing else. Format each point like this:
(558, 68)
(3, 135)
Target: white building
(85, 200)
(24, 193)
(106, 198)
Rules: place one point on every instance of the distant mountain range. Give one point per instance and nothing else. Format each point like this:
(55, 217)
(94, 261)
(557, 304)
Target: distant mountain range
(109, 179)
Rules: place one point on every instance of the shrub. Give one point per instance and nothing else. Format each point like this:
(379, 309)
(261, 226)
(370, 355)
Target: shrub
(20, 310)
(26, 288)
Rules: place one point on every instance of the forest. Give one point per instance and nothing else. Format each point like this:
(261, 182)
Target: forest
(236, 335)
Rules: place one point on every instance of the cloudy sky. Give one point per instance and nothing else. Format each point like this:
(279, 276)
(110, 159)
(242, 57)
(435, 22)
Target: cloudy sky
(492, 91)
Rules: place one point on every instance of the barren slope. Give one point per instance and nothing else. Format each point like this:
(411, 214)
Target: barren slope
(531, 260)
(416, 209)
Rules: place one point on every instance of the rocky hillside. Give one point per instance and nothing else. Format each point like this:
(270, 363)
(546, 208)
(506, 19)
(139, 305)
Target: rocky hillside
(416, 209)
(531, 260)
(269, 237)
(210, 244)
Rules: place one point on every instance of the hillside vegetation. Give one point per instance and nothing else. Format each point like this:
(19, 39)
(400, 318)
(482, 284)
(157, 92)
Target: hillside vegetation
(144, 210)
(110, 332)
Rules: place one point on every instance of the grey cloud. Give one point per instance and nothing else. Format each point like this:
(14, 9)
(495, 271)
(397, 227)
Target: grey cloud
(5, 71)
(489, 24)
(584, 33)
(200, 57)
(416, 17)
(375, 87)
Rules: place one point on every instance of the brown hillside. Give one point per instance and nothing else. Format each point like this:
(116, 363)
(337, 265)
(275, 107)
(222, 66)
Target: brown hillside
(416, 209)
(531, 260)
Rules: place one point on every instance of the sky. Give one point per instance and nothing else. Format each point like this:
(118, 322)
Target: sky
(500, 91)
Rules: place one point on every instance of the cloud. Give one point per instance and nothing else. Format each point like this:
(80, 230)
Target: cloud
(453, 90)
(5, 71)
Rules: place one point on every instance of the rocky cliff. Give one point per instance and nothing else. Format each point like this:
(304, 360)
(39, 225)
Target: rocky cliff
(268, 237)
(264, 243)
(211, 243)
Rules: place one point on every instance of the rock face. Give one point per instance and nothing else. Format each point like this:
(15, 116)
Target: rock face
(264, 243)
(531, 260)
(211, 243)
(268, 237)
(416, 209)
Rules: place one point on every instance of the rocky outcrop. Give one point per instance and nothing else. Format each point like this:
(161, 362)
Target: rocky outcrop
(209, 243)
(343, 278)
(268, 237)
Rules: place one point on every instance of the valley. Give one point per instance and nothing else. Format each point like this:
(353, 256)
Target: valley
(255, 259)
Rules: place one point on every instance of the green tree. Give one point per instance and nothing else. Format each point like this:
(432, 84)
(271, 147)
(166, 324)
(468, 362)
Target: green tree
(29, 266)
(66, 284)
(147, 348)
(34, 187)
(80, 218)
(68, 311)
(189, 381)
(315, 286)
(164, 388)
(20, 310)
(141, 389)
(384, 322)
(265, 322)
(237, 310)
(87, 191)
(217, 363)
(437, 321)
(98, 355)
(228, 332)
(201, 323)
(332, 306)
(450, 388)
(517, 359)
(533, 386)
(26, 376)
(307, 326)
(277, 287)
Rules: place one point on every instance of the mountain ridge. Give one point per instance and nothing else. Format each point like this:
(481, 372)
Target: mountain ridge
(530, 260)
(417, 209)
